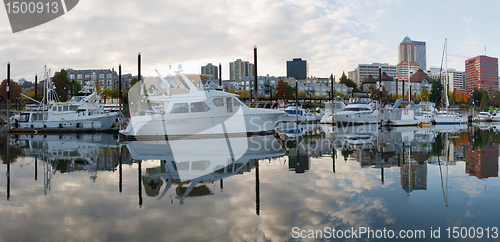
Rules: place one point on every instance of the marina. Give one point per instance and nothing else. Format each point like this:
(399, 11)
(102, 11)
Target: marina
(341, 176)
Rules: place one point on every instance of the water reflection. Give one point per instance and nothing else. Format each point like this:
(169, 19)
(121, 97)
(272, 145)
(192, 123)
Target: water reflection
(327, 176)
(193, 165)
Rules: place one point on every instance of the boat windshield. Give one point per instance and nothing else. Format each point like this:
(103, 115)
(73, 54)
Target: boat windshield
(360, 100)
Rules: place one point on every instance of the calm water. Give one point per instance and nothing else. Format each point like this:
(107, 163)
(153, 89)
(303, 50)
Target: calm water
(87, 188)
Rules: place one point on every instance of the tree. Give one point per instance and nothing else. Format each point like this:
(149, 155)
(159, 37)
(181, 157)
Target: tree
(495, 98)
(436, 92)
(349, 83)
(303, 94)
(133, 81)
(281, 90)
(74, 87)
(424, 95)
(15, 91)
(232, 91)
(451, 98)
(290, 91)
(485, 99)
(244, 94)
(61, 82)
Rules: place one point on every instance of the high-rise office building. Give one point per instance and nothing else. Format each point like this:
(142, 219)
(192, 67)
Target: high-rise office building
(420, 54)
(239, 68)
(481, 72)
(210, 69)
(365, 70)
(407, 59)
(296, 68)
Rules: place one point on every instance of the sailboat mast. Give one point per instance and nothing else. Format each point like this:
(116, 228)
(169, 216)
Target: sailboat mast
(446, 74)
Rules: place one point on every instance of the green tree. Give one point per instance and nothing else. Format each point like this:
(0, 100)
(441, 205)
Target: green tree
(349, 83)
(290, 92)
(133, 81)
(74, 87)
(303, 94)
(424, 95)
(61, 81)
(436, 92)
(495, 98)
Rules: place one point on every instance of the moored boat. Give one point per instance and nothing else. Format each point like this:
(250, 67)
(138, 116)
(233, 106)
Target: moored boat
(178, 106)
(359, 111)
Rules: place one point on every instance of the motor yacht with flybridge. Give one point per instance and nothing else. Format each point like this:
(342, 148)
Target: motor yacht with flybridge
(360, 110)
(178, 106)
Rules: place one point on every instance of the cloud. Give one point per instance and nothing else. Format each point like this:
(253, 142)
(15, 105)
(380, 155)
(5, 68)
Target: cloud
(97, 34)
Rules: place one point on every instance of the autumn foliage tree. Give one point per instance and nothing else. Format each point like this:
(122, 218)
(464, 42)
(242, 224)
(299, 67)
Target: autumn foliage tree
(15, 91)
(281, 90)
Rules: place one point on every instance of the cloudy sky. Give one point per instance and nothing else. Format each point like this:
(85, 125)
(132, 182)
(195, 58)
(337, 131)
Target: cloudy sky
(333, 36)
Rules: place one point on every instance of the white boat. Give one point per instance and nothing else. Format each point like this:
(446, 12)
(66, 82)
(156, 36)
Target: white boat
(330, 109)
(359, 111)
(179, 106)
(495, 117)
(304, 115)
(82, 111)
(483, 117)
(446, 116)
(400, 115)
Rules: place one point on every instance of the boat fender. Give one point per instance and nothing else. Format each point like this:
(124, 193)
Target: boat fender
(60, 125)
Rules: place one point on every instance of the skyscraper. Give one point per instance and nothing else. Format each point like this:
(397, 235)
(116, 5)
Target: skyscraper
(296, 68)
(239, 68)
(421, 56)
(210, 69)
(406, 59)
(481, 72)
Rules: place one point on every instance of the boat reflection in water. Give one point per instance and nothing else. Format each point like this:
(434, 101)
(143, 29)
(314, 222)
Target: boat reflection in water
(193, 164)
(68, 153)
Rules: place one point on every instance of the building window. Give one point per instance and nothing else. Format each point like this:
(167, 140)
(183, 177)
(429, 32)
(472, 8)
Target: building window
(72, 76)
(79, 76)
(110, 76)
(101, 76)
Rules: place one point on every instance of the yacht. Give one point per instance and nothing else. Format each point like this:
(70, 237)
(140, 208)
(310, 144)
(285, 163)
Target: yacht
(82, 111)
(178, 106)
(295, 113)
(330, 109)
(401, 115)
(358, 111)
(483, 117)
(495, 117)
(449, 117)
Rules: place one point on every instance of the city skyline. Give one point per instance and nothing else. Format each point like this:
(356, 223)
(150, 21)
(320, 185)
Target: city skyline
(334, 37)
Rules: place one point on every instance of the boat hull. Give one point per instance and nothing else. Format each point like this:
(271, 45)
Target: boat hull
(355, 118)
(449, 119)
(168, 127)
(105, 120)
